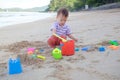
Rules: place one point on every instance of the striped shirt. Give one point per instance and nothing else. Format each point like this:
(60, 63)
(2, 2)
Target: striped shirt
(61, 31)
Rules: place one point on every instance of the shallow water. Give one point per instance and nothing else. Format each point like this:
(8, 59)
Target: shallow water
(10, 18)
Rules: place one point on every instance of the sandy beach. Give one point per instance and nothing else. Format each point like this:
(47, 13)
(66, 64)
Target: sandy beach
(92, 28)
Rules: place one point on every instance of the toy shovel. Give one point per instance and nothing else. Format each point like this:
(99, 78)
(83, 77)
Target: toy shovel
(64, 40)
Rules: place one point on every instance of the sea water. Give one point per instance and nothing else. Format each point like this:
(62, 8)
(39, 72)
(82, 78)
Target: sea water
(11, 18)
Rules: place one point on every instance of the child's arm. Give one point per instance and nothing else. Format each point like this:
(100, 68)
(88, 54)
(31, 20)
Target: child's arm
(54, 33)
(70, 36)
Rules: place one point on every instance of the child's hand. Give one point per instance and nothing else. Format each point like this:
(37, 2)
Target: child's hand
(75, 39)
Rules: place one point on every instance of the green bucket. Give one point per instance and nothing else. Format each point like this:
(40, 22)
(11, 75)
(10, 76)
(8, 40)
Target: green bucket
(56, 53)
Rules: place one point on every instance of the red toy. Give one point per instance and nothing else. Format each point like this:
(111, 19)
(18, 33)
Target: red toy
(68, 48)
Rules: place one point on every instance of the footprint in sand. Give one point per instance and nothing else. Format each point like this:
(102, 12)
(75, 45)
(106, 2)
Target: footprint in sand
(95, 61)
(3, 69)
(108, 35)
(60, 73)
(116, 28)
(102, 76)
(118, 60)
(76, 58)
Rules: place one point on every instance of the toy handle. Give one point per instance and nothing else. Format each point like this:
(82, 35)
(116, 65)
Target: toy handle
(41, 57)
(64, 40)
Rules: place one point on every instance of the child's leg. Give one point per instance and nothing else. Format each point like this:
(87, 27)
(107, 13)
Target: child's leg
(52, 41)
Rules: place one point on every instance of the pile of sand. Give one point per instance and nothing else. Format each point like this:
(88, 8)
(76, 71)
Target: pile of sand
(19, 49)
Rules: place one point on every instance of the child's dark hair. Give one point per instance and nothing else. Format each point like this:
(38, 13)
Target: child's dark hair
(63, 11)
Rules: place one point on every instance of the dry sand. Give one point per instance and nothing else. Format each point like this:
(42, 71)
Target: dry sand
(92, 28)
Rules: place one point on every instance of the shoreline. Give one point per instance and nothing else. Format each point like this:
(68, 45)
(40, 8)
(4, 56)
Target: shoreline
(25, 22)
(13, 18)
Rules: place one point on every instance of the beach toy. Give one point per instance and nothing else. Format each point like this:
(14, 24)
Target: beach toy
(41, 57)
(30, 50)
(14, 66)
(41, 50)
(101, 48)
(76, 49)
(34, 56)
(114, 42)
(68, 48)
(86, 48)
(36, 51)
(56, 53)
(64, 40)
(38, 56)
(113, 47)
(61, 44)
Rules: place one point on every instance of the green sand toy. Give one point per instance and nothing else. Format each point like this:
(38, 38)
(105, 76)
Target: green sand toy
(113, 42)
(56, 53)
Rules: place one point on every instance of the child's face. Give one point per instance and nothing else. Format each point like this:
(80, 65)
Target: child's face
(61, 19)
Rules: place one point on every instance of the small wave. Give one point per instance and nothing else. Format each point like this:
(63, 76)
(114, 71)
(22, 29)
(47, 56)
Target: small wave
(10, 18)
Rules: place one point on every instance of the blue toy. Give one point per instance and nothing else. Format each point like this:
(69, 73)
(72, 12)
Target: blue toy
(101, 49)
(61, 44)
(41, 50)
(14, 66)
(85, 48)
(76, 49)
